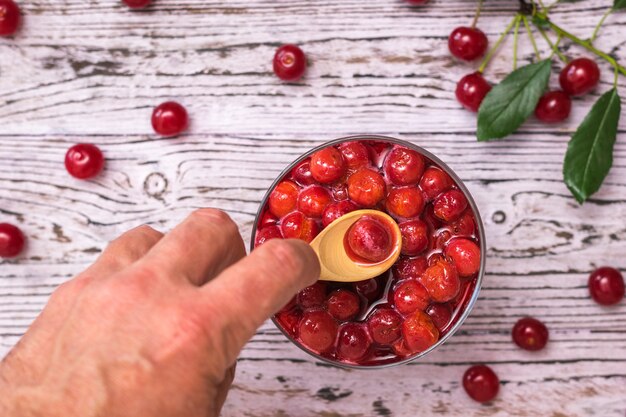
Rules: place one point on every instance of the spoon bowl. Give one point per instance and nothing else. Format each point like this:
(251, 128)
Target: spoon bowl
(337, 265)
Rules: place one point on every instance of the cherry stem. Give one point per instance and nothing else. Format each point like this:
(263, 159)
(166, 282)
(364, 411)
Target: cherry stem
(515, 32)
(595, 31)
(531, 36)
(498, 42)
(477, 15)
(585, 44)
(553, 46)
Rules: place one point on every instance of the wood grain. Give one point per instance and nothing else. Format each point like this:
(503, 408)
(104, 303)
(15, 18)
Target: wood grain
(92, 71)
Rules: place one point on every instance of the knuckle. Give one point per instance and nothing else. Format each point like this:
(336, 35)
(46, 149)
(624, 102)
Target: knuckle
(148, 233)
(216, 214)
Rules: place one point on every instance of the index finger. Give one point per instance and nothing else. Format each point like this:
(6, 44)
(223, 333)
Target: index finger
(242, 297)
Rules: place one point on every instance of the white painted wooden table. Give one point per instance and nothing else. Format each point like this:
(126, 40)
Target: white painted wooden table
(92, 71)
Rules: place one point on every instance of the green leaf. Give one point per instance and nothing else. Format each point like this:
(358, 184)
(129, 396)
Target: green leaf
(619, 4)
(589, 154)
(510, 103)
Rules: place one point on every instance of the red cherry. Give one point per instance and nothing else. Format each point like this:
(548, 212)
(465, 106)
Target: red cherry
(318, 330)
(465, 255)
(356, 154)
(265, 234)
(419, 332)
(410, 296)
(405, 202)
(84, 161)
(296, 225)
(11, 240)
(9, 17)
(530, 334)
(467, 43)
(343, 305)
(327, 165)
(370, 239)
(366, 187)
(434, 182)
(339, 191)
(368, 289)
(440, 314)
(481, 383)
(289, 320)
(336, 210)
(442, 281)
(553, 106)
(385, 326)
(312, 296)
(267, 219)
(404, 166)
(414, 237)
(283, 198)
(409, 268)
(313, 200)
(606, 286)
(579, 76)
(417, 2)
(353, 342)
(302, 173)
(137, 4)
(471, 90)
(464, 225)
(169, 119)
(289, 63)
(450, 205)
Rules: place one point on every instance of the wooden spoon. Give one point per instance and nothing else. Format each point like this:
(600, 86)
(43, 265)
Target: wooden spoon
(336, 264)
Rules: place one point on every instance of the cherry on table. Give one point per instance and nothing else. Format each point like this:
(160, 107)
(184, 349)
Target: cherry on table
(137, 4)
(366, 187)
(84, 160)
(553, 107)
(9, 17)
(579, 76)
(530, 334)
(385, 326)
(467, 43)
(317, 330)
(343, 304)
(169, 119)
(289, 63)
(417, 2)
(606, 286)
(11, 240)
(481, 383)
(471, 90)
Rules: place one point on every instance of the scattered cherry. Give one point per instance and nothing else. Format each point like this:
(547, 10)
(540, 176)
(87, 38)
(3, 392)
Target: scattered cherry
(471, 90)
(283, 198)
(530, 334)
(606, 286)
(366, 187)
(553, 106)
(313, 200)
(385, 326)
(312, 296)
(327, 165)
(465, 255)
(296, 225)
(353, 341)
(579, 76)
(9, 17)
(417, 2)
(289, 63)
(414, 237)
(370, 239)
(419, 332)
(318, 330)
(441, 280)
(481, 383)
(137, 4)
(84, 161)
(11, 240)
(467, 43)
(410, 296)
(169, 119)
(405, 202)
(335, 210)
(343, 304)
(450, 205)
(404, 166)
(265, 234)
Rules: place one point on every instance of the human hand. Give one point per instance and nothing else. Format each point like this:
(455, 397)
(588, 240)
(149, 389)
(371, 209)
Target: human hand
(154, 326)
